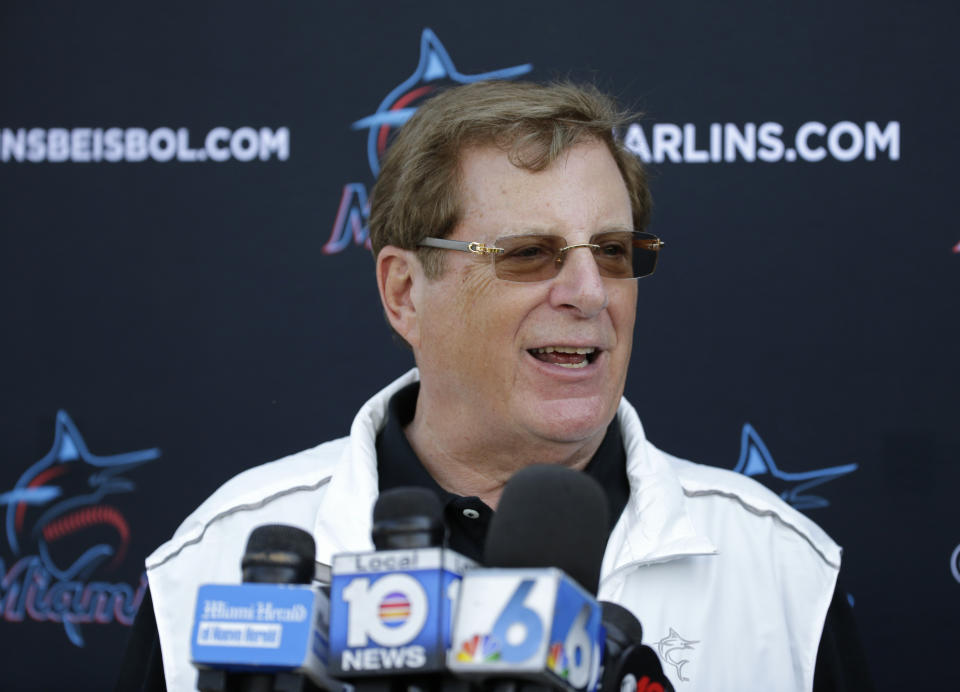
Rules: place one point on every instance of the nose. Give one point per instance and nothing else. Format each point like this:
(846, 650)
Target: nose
(579, 287)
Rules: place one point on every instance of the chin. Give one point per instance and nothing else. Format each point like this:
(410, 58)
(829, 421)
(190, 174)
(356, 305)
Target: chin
(574, 420)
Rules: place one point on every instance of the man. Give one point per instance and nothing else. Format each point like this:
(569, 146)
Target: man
(508, 226)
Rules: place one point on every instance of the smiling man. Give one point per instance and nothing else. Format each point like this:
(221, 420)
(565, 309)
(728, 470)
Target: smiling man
(533, 370)
(509, 229)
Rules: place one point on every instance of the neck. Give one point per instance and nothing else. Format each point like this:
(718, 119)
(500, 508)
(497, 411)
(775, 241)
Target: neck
(473, 462)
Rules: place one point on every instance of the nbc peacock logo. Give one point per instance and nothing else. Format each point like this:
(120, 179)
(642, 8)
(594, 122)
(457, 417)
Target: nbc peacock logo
(479, 649)
(557, 660)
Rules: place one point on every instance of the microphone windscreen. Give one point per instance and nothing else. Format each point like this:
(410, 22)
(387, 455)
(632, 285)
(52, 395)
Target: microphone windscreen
(279, 553)
(622, 625)
(280, 537)
(401, 503)
(551, 516)
(638, 669)
(407, 518)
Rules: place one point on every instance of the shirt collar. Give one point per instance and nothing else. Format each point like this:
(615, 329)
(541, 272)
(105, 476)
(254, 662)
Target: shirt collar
(468, 517)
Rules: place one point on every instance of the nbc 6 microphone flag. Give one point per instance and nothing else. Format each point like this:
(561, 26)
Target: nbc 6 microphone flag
(532, 623)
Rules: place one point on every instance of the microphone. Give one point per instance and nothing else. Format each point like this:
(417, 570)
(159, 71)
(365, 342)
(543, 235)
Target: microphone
(278, 554)
(628, 665)
(551, 516)
(391, 609)
(530, 615)
(270, 632)
(407, 518)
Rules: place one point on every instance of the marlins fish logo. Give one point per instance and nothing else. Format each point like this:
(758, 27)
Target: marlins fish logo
(671, 649)
(62, 495)
(756, 460)
(435, 69)
(61, 528)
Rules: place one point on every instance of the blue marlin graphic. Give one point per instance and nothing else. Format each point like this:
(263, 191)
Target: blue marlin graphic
(756, 460)
(61, 493)
(434, 67)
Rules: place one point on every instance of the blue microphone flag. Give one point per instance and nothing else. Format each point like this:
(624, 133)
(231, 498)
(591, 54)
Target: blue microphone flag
(532, 623)
(261, 628)
(391, 610)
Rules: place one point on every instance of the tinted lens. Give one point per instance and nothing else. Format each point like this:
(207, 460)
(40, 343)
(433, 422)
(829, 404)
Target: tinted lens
(626, 254)
(619, 255)
(528, 257)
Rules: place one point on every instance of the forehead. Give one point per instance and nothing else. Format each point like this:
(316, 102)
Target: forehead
(581, 191)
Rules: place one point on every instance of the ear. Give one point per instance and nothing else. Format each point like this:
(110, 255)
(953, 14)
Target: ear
(397, 271)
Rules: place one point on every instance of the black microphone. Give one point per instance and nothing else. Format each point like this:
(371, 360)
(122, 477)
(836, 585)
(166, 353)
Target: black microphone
(406, 518)
(623, 628)
(551, 516)
(629, 665)
(278, 554)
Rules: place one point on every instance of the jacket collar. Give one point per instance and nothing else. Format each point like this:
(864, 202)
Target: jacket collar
(654, 527)
(345, 515)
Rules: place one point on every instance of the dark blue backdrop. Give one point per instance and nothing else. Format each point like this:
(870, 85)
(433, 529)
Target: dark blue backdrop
(183, 275)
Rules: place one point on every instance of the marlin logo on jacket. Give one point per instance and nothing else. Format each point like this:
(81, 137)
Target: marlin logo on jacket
(671, 649)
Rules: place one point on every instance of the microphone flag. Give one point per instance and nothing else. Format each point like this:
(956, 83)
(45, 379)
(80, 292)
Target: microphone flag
(529, 623)
(391, 611)
(261, 628)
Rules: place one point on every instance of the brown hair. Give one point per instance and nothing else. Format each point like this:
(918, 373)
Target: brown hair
(417, 192)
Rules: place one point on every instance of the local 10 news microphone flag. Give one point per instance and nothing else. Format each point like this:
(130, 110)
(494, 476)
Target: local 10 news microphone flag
(270, 632)
(391, 609)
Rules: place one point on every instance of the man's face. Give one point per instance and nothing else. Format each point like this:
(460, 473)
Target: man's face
(483, 346)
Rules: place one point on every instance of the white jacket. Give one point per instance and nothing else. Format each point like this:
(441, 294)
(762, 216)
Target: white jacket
(730, 584)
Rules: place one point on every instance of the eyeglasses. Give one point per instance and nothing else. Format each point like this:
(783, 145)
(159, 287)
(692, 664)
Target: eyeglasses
(532, 257)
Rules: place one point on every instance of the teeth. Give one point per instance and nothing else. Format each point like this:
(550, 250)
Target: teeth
(565, 349)
(581, 364)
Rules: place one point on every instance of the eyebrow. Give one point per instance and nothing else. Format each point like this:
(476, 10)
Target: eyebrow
(604, 229)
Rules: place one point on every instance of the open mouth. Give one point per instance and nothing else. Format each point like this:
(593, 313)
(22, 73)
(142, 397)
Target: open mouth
(566, 356)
